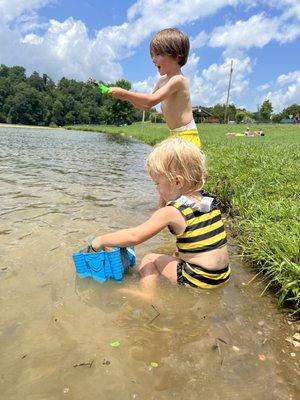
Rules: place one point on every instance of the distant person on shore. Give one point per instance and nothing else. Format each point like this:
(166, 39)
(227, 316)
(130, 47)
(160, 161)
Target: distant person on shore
(178, 170)
(248, 132)
(169, 51)
(259, 133)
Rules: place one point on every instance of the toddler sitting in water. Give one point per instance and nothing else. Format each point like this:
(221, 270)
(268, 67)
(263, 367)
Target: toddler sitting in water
(177, 168)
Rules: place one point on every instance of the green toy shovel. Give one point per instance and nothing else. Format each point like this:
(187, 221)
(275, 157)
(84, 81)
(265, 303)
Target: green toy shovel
(100, 85)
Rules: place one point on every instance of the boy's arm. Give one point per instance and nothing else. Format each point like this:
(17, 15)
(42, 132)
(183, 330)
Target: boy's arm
(148, 100)
(144, 108)
(139, 234)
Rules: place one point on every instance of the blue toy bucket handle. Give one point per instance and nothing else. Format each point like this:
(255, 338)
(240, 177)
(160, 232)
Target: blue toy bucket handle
(96, 262)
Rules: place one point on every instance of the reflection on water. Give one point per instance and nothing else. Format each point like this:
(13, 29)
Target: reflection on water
(59, 187)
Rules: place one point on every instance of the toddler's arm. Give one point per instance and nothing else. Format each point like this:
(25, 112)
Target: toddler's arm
(139, 234)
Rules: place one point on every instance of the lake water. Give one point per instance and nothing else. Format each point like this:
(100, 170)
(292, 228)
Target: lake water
(58, 188)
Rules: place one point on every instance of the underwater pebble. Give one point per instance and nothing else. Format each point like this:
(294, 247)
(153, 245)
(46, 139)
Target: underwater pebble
(297, 336)
(153, 364)
(115, 343)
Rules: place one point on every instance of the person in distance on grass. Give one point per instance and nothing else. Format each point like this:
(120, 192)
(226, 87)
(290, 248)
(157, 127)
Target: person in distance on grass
(169, 50)
(177, 168)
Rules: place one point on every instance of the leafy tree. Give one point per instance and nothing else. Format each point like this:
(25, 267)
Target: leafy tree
(4, 71)
(219, 111)
(154, 117)
(276, 118)
(266, 110)
(58, 113)
(25, 106)
(38, 100)
(2, 117)
(120, 112)
(36, 82)
(239, 116)
(5, 90)
(293, 110)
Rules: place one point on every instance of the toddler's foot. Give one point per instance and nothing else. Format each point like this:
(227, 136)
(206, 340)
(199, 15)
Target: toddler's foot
(141, 294)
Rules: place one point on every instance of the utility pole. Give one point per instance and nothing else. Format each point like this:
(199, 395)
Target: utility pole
(143, 120)
(258, 112)
(228, 91)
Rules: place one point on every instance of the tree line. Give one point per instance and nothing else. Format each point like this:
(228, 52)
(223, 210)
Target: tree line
(37, 100)
(263, 114)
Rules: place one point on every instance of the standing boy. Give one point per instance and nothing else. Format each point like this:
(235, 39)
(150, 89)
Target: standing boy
(169, 50)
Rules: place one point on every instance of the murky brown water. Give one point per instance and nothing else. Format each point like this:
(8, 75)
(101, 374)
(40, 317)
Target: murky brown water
(59, 187)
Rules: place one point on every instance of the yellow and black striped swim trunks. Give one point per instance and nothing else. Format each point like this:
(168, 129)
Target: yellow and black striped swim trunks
(197, 276)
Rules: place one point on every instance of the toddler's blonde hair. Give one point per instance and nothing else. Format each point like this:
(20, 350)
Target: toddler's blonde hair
(175, 157)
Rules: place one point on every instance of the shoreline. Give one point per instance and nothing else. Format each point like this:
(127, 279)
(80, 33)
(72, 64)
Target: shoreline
(3, 125)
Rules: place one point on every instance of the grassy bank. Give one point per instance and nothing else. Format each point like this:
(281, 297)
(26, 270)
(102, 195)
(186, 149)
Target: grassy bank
(257, 181)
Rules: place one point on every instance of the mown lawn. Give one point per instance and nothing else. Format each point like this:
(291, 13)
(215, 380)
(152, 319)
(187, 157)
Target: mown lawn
(257, 182)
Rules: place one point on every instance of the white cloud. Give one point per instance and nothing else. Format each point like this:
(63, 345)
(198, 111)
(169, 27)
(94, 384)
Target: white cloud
(31, 38)
(210, 86)
(285, 91)
(257, 31)
(199, 41)
(263, 87)
(291, 77)
(12, 9)
(291, 8)
(145, 86)
(65, 48)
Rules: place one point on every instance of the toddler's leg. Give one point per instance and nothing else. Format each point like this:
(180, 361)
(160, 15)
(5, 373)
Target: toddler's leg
(160, 263)
(151, 266)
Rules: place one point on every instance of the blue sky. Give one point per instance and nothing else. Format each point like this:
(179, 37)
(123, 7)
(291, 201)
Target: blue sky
(109, 40)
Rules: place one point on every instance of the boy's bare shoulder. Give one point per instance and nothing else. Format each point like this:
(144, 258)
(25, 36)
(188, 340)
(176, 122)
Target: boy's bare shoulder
(177, 79)
(161, 82)
(180, 81)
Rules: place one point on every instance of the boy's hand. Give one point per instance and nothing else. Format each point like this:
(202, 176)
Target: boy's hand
(100, 85)
(92, 81)
(118, 93)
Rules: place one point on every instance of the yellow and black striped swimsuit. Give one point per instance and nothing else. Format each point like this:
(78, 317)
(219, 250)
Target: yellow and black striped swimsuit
(204, 232)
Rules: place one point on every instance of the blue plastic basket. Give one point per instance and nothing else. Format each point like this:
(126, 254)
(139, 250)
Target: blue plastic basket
(103, 265)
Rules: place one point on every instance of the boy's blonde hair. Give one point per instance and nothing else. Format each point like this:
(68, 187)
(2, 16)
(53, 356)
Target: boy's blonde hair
(173, 42)
(175, 157)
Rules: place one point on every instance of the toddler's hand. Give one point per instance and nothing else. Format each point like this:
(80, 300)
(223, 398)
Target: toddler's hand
(88, 249)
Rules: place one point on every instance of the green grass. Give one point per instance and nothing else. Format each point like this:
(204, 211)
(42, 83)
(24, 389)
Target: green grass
(257, 182)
